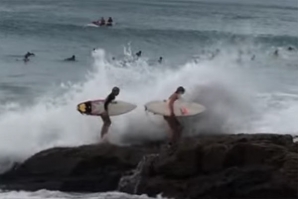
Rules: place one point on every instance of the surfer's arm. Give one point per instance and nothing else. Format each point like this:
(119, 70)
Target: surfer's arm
(109, 99)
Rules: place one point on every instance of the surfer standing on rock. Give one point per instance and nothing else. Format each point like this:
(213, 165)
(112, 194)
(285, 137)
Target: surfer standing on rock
(105, 115)
(172, 120)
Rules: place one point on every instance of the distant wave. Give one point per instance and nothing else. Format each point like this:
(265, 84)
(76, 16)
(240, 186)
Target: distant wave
(161, 35)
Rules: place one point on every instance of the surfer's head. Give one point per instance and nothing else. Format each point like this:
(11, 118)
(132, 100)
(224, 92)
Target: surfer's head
(180, 90)
(115, 90)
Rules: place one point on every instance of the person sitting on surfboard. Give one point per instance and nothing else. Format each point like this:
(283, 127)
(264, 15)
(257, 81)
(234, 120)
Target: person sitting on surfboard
(105, 115)
(172, 121)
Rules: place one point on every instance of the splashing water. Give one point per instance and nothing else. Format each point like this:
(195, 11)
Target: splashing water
(61, 195)
(229, 90)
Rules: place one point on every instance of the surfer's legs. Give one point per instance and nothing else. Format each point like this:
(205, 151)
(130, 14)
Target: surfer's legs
(106, 124)
(175, 129)
(170, 132)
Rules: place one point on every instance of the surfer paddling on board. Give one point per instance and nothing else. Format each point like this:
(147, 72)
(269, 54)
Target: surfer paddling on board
(26, 57)
(172, 121)
(105, 115)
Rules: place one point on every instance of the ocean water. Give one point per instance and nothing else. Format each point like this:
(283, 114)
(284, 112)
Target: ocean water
(221, 51)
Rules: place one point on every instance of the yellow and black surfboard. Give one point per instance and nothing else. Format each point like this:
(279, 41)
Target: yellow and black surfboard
(85, 107)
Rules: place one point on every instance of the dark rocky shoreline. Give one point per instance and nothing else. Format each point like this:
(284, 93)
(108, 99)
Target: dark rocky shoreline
(214, 166)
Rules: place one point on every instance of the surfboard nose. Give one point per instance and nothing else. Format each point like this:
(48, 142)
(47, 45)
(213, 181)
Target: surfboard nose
(81, 108)
(78, 109)
(85, 108)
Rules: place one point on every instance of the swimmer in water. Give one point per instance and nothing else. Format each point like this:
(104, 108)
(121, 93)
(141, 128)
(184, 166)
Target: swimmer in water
(160, 60)
(72, 58)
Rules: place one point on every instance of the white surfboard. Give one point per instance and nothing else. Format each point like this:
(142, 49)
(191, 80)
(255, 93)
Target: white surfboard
(96, 107)
(181, 108)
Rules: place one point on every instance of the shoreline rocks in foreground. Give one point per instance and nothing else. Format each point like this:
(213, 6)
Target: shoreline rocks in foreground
(215, 166)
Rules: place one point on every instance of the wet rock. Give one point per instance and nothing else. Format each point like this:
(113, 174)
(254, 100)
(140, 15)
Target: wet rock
(214, 156)
(92, 168)
(224, 166)
(205, 167)
(130, 182)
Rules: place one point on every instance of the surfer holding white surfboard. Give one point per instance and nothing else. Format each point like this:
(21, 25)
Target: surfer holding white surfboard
(105, 108)
(105, 116)
(172, 121)
(170, 109)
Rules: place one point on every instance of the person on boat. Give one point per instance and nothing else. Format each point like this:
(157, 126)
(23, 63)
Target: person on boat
(102, 22)
(110, 22)
(105, 115)
(174, 124)
(72, 58)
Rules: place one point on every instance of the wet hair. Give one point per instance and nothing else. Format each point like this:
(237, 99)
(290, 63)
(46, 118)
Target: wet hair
(180, 89)
(116, 89)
